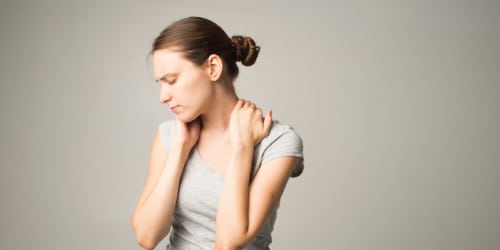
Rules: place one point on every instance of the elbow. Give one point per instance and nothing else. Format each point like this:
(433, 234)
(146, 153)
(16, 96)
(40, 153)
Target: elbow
(146, 244)
(144, 237)
(231, 239)
(228, 243)
(145, 241)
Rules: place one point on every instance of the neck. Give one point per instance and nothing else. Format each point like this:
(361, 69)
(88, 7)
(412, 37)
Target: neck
(216, 119)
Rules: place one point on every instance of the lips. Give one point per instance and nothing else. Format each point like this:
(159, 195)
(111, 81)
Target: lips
(175, 108)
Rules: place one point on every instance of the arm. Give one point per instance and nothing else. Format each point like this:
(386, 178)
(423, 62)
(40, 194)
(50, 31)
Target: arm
(244, 207)
(152, 216)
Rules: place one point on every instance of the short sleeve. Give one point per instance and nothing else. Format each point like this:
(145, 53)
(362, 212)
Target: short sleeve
(167, 132)
(282, 141)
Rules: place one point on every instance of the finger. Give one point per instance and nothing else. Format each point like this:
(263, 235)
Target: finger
(259, 112)
(268, 120)
(239, 104)
(245, 103)
(252, 105)
(178, 122)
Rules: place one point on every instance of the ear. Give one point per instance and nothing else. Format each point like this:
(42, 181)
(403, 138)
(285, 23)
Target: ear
(215, 67)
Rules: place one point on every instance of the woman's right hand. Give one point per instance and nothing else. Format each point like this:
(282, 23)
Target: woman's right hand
(187, 133)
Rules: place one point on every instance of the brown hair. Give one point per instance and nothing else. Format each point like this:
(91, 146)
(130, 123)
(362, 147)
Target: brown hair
(198, 38)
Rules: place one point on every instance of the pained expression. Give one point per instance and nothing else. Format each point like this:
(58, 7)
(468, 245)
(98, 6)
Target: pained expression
(184, 86)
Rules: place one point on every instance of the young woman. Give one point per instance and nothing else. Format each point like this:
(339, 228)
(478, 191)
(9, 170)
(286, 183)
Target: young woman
(217, 171)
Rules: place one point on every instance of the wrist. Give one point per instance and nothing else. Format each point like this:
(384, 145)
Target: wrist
(242, 147)
(180, 147)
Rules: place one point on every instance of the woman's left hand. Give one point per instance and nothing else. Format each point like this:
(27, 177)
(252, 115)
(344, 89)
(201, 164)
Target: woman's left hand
(247, 126)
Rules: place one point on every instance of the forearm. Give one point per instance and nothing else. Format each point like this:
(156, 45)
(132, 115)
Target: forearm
(232, 220)
(152, 218)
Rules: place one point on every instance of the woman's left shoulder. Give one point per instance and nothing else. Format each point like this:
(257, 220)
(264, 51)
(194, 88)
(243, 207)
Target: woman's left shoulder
(279, 130)
(282, 140)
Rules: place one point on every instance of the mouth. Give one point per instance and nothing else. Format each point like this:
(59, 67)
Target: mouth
(175, 108)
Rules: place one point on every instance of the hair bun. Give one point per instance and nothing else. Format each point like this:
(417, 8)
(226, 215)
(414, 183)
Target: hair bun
(245, 50)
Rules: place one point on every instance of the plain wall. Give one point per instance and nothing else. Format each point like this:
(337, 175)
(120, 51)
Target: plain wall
(398, 104)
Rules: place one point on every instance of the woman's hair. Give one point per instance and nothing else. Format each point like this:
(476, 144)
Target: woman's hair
(198, 38)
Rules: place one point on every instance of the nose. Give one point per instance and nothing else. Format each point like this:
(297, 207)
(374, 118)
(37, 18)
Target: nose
(165, 93)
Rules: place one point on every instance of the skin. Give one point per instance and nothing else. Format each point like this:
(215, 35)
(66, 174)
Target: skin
(224, 129)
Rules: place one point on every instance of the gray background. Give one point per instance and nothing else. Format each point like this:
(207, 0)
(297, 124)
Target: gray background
(397, 103)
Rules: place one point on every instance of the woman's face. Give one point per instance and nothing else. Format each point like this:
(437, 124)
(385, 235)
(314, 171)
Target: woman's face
(184, 86)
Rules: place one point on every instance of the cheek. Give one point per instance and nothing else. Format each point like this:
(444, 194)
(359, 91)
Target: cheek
(198, 88)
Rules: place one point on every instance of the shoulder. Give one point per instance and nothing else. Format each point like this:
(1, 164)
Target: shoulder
(281, 131)
(282, 141)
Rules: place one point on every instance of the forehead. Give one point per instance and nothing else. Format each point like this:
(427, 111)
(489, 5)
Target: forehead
(167, 61)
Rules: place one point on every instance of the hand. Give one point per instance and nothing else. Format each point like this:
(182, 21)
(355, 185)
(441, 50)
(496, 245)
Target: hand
(247, 126)
(187, 133)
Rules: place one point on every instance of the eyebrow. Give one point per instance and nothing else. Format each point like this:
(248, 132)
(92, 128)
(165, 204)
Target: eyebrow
(165, 76)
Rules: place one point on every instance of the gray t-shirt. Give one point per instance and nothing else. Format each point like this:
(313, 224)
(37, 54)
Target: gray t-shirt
(193, 224)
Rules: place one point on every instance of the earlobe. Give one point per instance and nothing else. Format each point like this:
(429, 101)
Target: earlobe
(215, 67)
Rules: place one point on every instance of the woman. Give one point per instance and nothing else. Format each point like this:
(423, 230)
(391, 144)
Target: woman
(218, 170)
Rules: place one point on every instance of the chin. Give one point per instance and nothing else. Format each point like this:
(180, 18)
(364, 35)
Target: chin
(186, 118)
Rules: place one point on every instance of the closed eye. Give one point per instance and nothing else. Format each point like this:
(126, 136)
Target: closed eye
(170, 82)
(168, 78)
